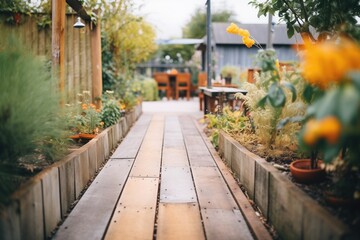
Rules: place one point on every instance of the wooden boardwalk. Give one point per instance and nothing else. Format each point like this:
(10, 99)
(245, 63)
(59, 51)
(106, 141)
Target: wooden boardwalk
(164, 181)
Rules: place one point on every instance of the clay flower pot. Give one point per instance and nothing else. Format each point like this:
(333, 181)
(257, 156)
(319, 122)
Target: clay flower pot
(87, 136)
(302, 172)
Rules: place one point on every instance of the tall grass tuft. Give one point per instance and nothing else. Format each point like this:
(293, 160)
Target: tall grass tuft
(29, 104)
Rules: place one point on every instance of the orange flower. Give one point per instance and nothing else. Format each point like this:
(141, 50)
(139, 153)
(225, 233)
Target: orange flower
(84, 106)
(328, 128)
(331, 129)
(312, 132)
(329, 62)
(93, 106)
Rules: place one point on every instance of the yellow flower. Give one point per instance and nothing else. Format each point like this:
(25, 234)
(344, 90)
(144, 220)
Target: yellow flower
(248, 42)
(329, 62)
(234, 29)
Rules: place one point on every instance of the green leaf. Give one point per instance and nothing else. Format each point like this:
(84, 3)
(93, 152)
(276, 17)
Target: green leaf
(262, 102)
(308, 93)
(327, 105)
(348, 103)
(276, 96)
(290, 31)
(282, 123)
(292, 89)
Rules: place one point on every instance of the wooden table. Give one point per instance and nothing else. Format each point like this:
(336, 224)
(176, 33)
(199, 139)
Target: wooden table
(220, 94)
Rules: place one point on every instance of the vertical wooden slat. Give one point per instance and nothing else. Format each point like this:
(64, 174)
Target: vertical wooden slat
(96, 62)
(88, 59)
(76, 59)
(58, 44)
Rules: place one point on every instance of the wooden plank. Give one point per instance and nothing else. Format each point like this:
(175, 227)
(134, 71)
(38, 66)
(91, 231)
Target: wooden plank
(134, 215)
(199, 155)
(81, 172)
(129, 147)
(51, 195)
(212, 191)
(67, 185)
(179, 221)
(225, 224)
(31, 211)
(174, 157)
(10, 222)
(177, 185)
(90, 217)
(92, 151)
(253, 221)
(76, 57)
(148, 160)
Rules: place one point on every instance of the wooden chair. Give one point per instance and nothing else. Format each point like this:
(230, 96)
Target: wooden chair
(202, 82)
(183, 83)
(163, 83)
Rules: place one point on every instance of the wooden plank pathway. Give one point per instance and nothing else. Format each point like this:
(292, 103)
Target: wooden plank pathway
(164, 181)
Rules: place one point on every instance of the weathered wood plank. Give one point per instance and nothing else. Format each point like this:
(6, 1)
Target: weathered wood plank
(179, 221)
(129, 147)
(67, 185)
(10, 222)
(212, 191)
(148, 160)
(89, 218)
(177, 185)
(31, 211)
(134, 215)
(51, 195)
(225, 224)
(82, 172)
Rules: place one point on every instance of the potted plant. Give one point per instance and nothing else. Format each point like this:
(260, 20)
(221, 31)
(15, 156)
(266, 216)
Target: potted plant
(85, 119)
(228, 73)
(332, 124)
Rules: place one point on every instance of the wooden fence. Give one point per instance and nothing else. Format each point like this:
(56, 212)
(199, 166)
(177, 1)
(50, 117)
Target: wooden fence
(78, 67)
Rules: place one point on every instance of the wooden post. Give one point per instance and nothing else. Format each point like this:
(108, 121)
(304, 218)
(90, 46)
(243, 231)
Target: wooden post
(96, 63)
(58, 42)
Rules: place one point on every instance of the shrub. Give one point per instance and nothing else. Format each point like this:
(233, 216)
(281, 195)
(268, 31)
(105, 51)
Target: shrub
(150, 92)
(28, 103)
(110, 113)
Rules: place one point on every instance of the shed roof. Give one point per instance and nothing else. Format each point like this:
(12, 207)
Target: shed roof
(257, 31)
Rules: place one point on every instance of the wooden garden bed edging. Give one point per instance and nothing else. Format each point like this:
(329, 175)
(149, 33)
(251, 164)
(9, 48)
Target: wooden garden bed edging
(40, 204)
(291, 211)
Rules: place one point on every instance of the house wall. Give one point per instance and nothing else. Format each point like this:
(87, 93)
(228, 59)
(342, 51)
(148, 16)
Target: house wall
(240, 55)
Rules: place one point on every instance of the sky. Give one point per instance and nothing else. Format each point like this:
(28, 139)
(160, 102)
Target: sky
(169, 16)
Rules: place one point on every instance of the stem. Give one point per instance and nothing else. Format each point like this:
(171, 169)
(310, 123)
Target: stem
(304, 10)
(293, 11)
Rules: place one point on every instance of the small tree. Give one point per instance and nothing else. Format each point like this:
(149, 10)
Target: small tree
(327, 17)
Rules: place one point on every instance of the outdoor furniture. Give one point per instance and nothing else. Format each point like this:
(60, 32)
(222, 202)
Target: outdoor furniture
(183, 83)
(202, 79)
(163, 83)
(218, 96)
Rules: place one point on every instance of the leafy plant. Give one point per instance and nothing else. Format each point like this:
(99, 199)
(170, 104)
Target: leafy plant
(110, 113)
(84, 117)
(230, 71)
(229, 121)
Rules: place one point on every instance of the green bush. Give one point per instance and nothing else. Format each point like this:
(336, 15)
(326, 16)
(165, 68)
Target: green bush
(150, 92)
(110, 113)
(29, 106)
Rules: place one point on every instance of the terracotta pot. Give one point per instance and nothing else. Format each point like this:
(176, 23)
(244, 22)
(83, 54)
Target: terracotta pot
(302, 172)
(75, 137)
(228, 80)
(338, 201)
(87, 135)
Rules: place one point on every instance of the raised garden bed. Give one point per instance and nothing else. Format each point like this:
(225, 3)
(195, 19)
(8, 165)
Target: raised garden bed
(291, 211)
(38, 206)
